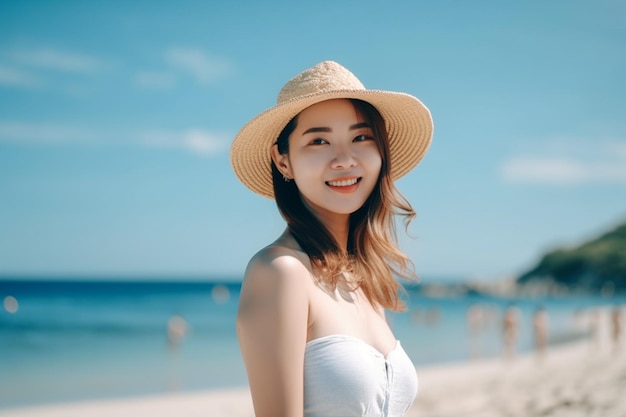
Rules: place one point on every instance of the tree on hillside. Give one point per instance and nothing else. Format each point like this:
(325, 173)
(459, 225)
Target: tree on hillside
(590, 266)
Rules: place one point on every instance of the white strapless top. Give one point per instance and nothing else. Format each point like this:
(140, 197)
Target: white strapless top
(346, 377)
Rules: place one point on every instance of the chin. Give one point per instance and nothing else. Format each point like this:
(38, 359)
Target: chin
(347, 210)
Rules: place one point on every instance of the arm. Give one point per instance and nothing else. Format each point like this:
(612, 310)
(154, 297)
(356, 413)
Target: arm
(272, 329)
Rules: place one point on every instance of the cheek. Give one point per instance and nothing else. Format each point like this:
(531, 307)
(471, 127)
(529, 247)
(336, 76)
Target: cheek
(372, 160)
(306, 165)
(379, 163)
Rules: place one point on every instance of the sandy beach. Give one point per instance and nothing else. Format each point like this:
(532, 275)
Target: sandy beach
(584, 378)
(577, 380)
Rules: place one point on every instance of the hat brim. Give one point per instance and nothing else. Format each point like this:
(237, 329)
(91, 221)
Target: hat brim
(408, 122)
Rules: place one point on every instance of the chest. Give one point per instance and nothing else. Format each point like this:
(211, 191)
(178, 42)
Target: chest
(348, 312)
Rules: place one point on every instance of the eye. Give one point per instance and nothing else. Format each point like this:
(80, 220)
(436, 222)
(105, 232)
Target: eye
(362, 138)
(318, 141)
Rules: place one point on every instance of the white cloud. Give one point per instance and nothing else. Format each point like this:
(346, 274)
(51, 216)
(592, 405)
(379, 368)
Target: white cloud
(580, 162)
(195, 140)
(204, 68)
(544, 170)
(44, 133)
(203, 142)
(17, 78)
(53, 59)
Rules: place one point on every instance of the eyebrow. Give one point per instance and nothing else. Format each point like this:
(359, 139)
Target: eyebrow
(328, 129)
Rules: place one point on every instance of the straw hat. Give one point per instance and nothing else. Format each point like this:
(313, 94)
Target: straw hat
(407, 120)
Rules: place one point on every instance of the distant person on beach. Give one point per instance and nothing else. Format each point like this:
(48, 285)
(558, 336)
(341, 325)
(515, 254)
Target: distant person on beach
(616, 326)
(176, 331)
(311, 320)
(510, 329)
(476, 316)
(540, 331)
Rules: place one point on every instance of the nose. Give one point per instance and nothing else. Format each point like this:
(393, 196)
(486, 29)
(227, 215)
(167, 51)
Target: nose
(343, 158)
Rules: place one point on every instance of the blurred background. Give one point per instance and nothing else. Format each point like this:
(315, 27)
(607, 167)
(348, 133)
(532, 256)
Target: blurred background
(124, 233)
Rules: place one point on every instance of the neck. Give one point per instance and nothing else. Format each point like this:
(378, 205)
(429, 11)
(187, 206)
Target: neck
(339, 226)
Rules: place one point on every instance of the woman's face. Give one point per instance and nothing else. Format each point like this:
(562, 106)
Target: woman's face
(333, 158)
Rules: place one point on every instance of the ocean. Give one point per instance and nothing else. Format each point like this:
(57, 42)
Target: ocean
(63, 340)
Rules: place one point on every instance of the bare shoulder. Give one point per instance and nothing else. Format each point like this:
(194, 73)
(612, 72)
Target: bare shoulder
(275, 270)
(277, 263)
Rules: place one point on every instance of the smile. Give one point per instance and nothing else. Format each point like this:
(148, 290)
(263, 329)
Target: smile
(343, 183)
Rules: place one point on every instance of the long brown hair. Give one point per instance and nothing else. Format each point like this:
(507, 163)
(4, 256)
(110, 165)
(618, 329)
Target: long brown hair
(372, 257)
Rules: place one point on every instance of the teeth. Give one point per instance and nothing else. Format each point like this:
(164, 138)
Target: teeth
(343, 183)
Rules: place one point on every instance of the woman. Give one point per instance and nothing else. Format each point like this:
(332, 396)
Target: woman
(311, 319)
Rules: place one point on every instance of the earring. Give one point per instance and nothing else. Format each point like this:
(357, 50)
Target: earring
(286, 179)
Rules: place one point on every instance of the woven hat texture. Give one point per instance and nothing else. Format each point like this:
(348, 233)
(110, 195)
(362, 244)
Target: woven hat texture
(408, 122)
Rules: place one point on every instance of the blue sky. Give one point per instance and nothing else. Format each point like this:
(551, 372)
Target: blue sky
(116, 120)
